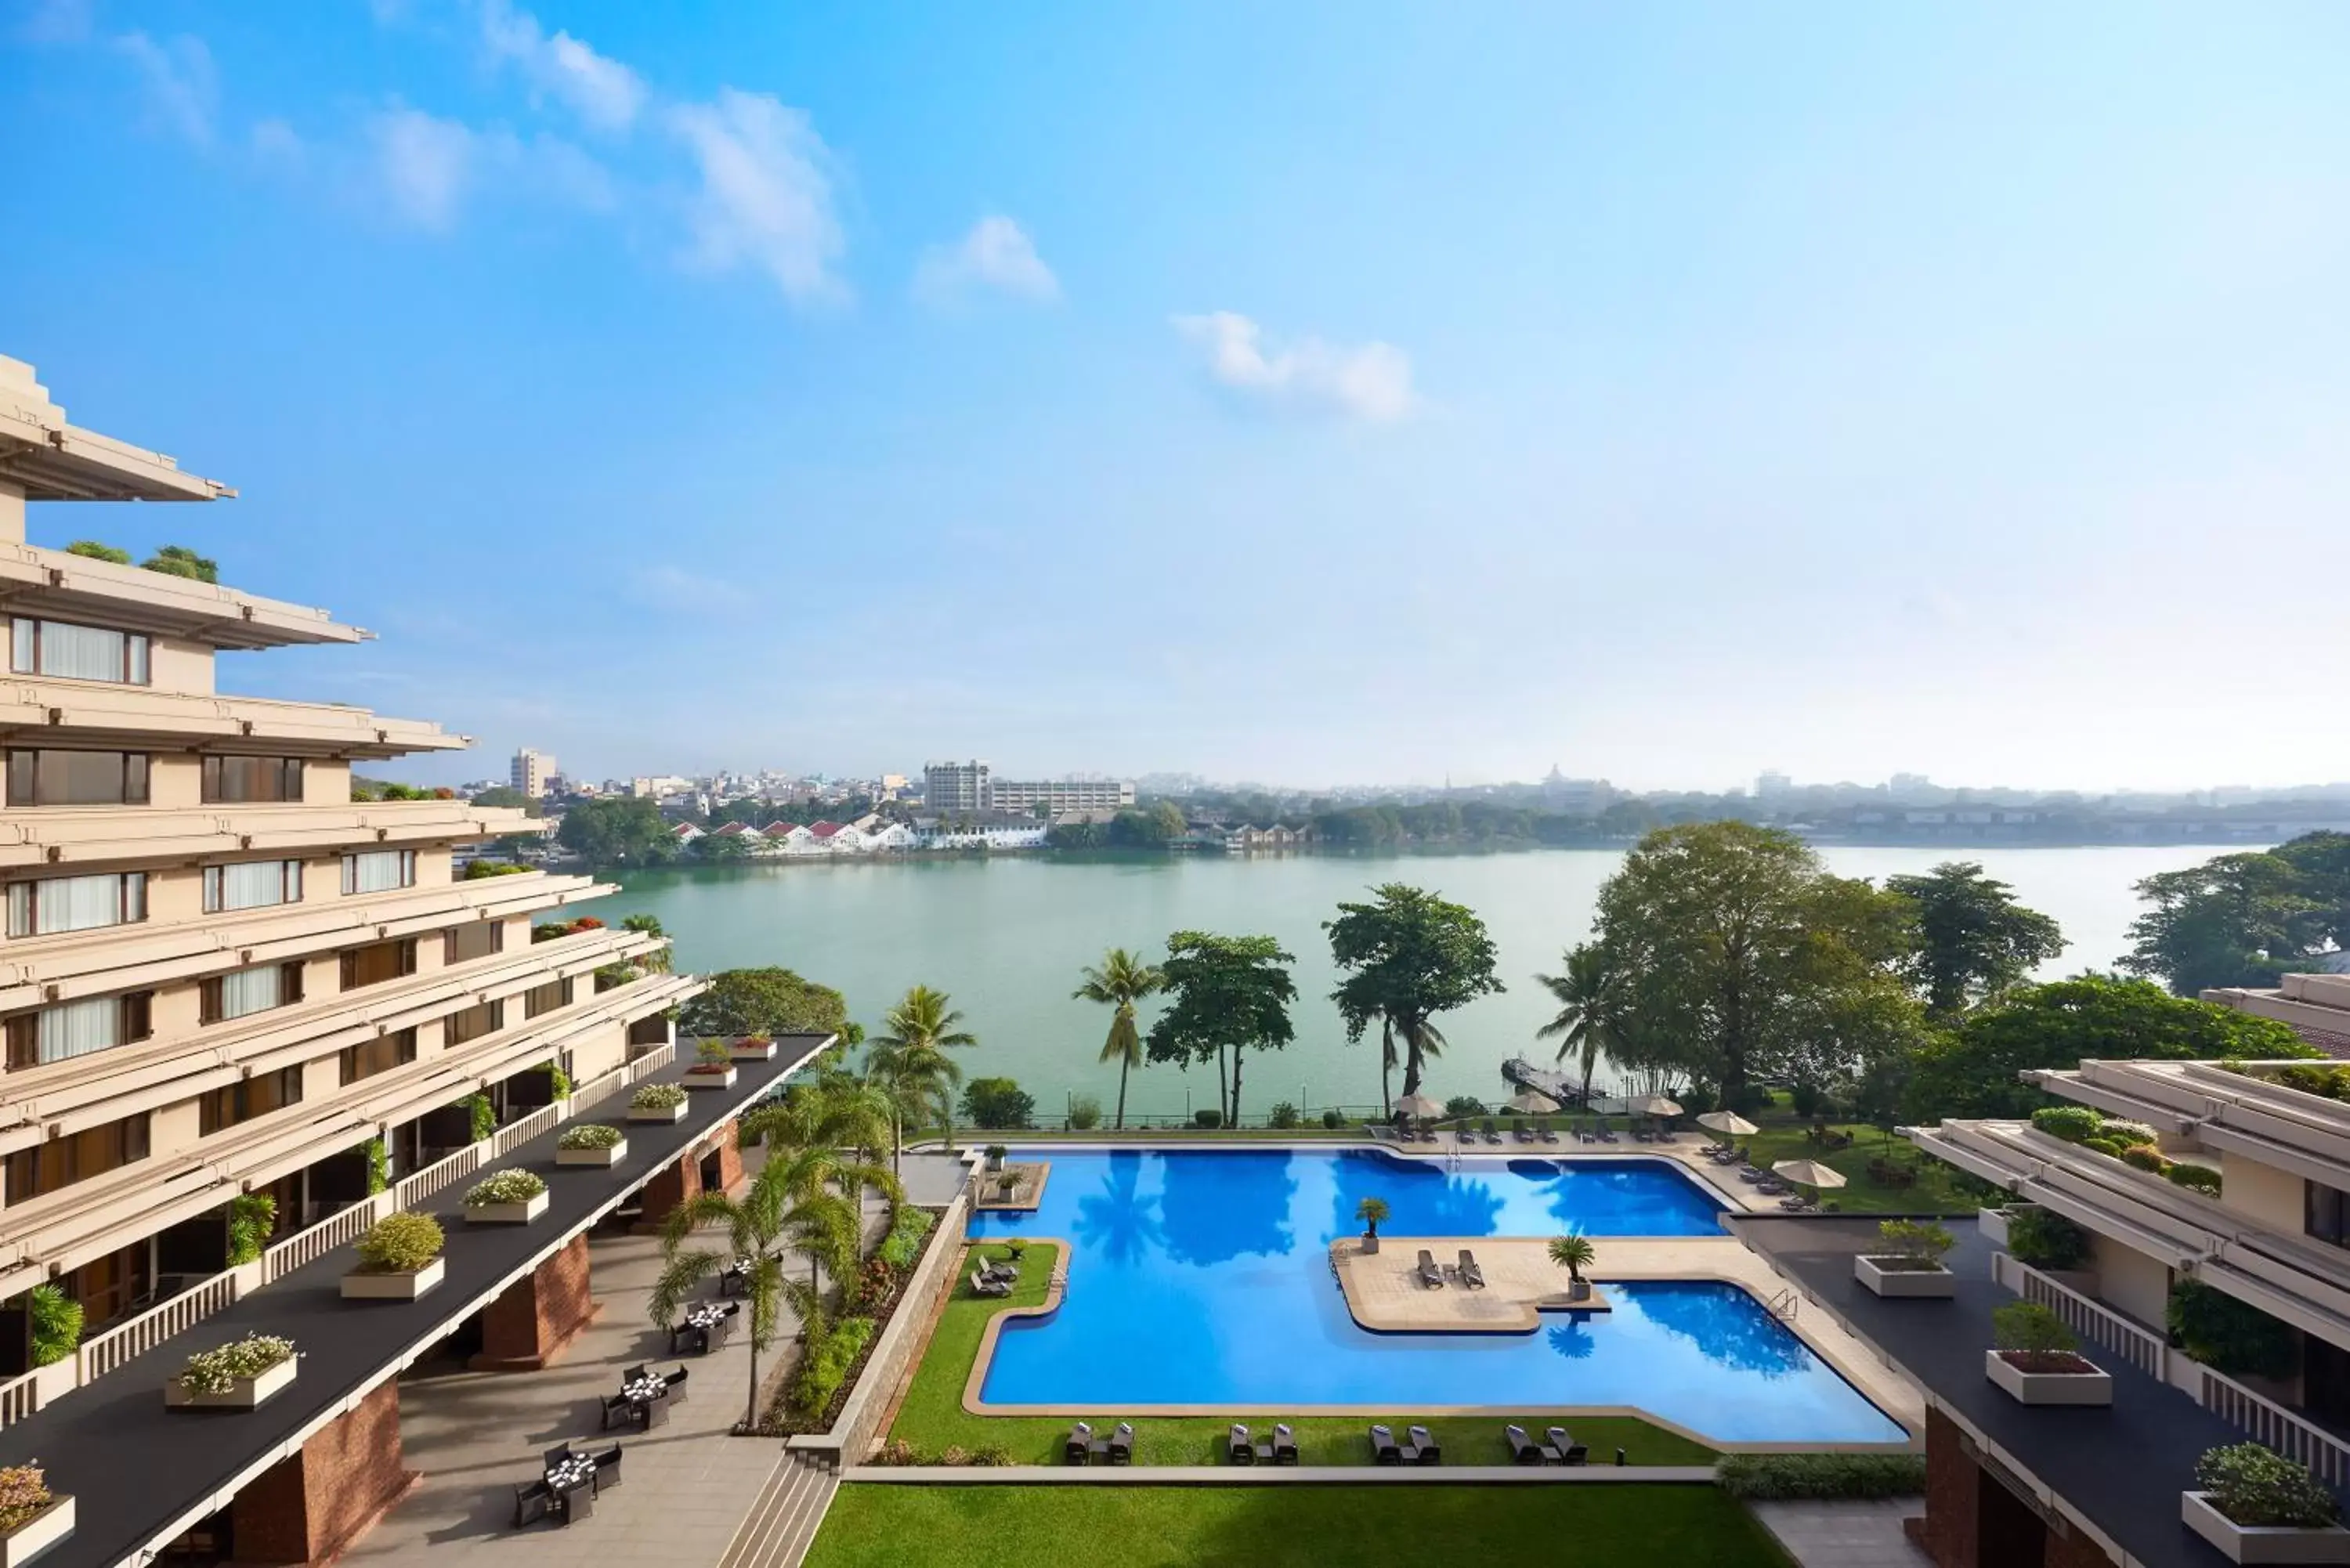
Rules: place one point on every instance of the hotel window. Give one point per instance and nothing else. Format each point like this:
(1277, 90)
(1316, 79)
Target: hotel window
(62, 1161)
(241, 1102)
(2325, 1213)
(230, 781)
(479, 939)
(379, 870)
(248, 990)
(475, 1022)
(380, 1055)
(546, 998)
(252, 885)
(380, 962)
(77, 652)
(56, 904)
(73, 1029)
(77, 778)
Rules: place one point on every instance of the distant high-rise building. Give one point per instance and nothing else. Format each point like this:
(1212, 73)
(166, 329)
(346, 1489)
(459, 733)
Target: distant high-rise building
(955, 786)
(532, 770)
(971, 786)
(1767, 785)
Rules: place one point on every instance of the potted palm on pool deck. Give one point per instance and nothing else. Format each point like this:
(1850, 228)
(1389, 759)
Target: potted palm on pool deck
(1371, 1211)
(2257, 1506)
(400, 1260)
(2038, 1359)
(32, 1518)
(1910, 1265)
(237, 1376)
(1573, 1253)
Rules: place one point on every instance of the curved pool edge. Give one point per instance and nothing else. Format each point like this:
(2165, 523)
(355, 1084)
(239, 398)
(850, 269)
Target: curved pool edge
(1055, 1288)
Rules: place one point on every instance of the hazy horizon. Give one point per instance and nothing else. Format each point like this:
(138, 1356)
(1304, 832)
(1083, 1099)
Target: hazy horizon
(1310, 392)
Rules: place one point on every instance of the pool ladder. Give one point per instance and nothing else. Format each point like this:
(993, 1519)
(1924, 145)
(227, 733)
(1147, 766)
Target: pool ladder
(1784, 1305)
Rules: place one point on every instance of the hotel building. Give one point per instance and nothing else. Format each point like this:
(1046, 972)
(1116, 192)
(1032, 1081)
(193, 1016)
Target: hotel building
(221, 977)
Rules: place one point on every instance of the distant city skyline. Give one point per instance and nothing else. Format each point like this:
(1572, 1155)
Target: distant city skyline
(1298, 392)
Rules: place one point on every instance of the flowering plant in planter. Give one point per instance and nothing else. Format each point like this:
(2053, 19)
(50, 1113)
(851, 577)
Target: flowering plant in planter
(591, 1135)
(24, 1493)
(2258, 1486)
(657, 1097)
(506, 1186)
(216, 1371)
(400, 1243)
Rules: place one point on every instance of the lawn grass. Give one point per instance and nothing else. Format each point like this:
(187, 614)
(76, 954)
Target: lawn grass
(1785, 1135)
(872, 1526)
(933, 1419)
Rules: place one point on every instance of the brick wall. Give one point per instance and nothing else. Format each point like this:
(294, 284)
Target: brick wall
(2068, 1548)
(682, 1182)
(1952, 1484)
(535, 1321)
(309, 1508)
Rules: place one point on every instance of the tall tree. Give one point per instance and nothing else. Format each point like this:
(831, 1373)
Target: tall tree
(917, 1034)
(1974, 940)
(1972, 1070)
(1590, 1008)
(2244, 918)
(1409, 955)
(1230, 994)
(1735, 944)
(1118, 982)
(770, 1001)
(620, 830)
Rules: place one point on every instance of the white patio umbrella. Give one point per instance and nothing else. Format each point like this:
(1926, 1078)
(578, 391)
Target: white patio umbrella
(1531, 1104)
(1808, 1173)
(1729, 1124)
(1654, 1105)
(1420, 1105)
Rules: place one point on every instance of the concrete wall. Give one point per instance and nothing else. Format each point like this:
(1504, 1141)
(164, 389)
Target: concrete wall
(2262, 1193)
(2130, 1282)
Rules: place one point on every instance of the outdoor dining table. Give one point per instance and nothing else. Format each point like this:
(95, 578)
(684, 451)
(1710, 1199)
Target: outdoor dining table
(649, 1396)
(572, 1480)
(705, 1327)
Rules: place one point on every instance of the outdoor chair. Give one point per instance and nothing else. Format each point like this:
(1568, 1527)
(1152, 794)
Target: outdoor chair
(1523, 1451)
(676, 1381)
(618, 1404)
(980, 1285)
(1798, 1204)
(607, 1469)
(579, 1504)
(1430, 1276)
(1421, 1448)
(1568, 1451)
(1470, 1274)
(554, 1455)
(1285, 1444)
(533, 1502)
(1383, 1446)
(1238, 1449)
(1121, 1444)
(639, 1370)
(1079, 1447)
(1005, 1269)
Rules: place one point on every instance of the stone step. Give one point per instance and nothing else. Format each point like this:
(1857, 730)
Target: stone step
(784, 1519)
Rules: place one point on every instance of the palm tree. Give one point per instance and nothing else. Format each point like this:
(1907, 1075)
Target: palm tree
(921, 1028)
(1119, 980)
(1371, 1211)
(1573, 1253)
(1590, 1008)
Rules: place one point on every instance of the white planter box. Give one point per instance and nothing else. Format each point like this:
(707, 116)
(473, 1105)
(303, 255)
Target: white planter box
(695, 1078)
(743, 1051)
(60, 1377)
(676, 1113)
(2047, 1387)
(2261, 1542)
(242, 1395)
(1992, 1223)
(506, 1213)
(603, 1156)
(38, 1533)
(367, 1287)
(1905, 1284)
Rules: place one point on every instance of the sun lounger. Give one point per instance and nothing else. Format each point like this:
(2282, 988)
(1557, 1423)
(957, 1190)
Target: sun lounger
(1383, 1446)
(1642, 1134)
(1523, 1451)
(1285, 1444)
(980, 1285)
(1080, 1445)
(1238, 1449)
(1798, 1204)
(1568, 1451)
(1470, 1274)
(1518, 1131)
(1420, 1448)
(1121, 1446)
(1546, 1134)
(1430, 1276)
(1492, 1135)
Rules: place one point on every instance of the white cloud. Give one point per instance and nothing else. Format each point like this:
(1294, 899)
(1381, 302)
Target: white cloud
(674, 588)
(59, 22)
(766, 199)
(1369, 381)
(182, 86)
(602, 91)
(425, 163)
(276, 144)
(997, 254)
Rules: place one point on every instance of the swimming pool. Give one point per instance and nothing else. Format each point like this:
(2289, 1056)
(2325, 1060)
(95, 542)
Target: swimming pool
(1201, 1278)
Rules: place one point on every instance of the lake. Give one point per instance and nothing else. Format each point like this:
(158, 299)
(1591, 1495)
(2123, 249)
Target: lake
(1006, 937)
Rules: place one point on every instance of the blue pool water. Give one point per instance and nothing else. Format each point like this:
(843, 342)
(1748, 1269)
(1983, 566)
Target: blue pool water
(1202, 1278)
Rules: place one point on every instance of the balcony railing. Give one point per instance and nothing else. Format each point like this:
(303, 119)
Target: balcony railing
(102, 1355)
(2143, 1349)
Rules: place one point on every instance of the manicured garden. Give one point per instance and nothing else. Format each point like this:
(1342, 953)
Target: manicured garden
(933, 1423)
(872, 1526)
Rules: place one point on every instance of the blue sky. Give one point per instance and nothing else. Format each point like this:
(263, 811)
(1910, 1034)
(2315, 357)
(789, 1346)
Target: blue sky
(1306, 393)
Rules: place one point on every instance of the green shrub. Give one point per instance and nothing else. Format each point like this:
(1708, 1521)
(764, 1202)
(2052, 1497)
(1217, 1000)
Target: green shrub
(251, 1216)
(216, 1371)
(2195, 1178)
(903, 1244)
(378, 1166)
(2257, 1487)
(591, 1135)
(1208, 1120)
(2308, 1078)
(2034, 1333)
(506, 1186)
(482, 1116)
(1764, 1478)
(91, 549)
(657, 1097)
(1460, 1105)
(1332, 1121)
(178, 561)
(2073, 1124)
(1085, 1113)
(400, 1243)
(712, 1053)
(1922, 1245)
(2046, 1240)
(481, 870)
(1285, 1115)
(56, 1322)
(2144, 1157)
(2128, 1134)
(992, 1103)
(829, 1356)
(2218, 1330)
(2105, 1146)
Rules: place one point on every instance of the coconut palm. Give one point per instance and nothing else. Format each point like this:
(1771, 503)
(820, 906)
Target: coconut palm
(1119, 980)
(920, 1083)
(1573, 1253)
(920, 1030)
(1590, 1011)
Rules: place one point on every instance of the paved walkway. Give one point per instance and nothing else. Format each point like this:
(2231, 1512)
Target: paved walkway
(1844, 1535)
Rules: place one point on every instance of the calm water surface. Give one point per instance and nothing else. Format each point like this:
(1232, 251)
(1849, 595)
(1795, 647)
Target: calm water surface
(1007, 936)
